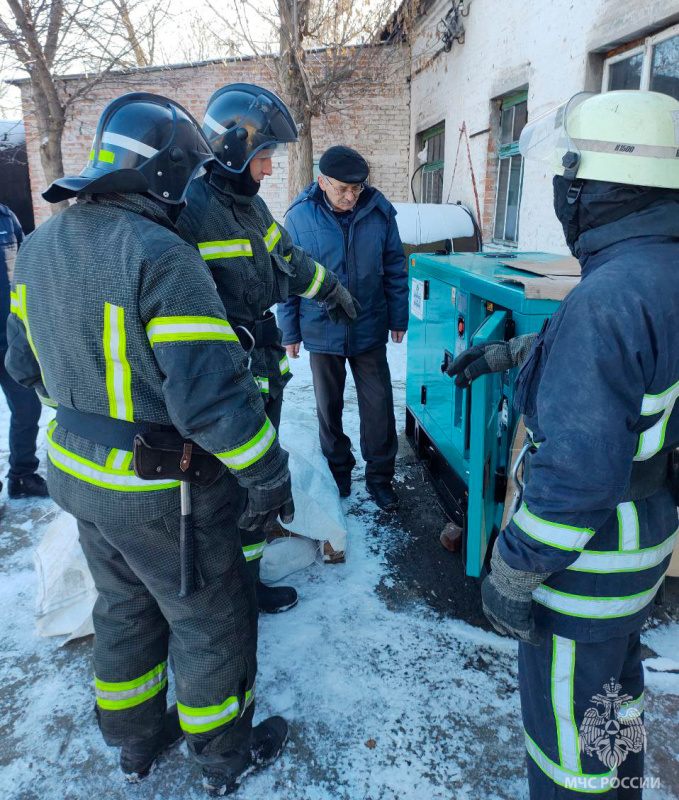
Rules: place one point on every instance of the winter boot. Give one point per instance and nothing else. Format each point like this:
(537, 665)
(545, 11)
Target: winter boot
(383, 494)
(343, 481)
(275, 599)
(223, 774)
(138, 758)
(27, 486)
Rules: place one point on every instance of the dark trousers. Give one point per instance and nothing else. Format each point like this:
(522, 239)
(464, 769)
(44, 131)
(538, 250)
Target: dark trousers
(254, 542)
(210, 637)
(379, 443)
(582, 707)
(25, 410)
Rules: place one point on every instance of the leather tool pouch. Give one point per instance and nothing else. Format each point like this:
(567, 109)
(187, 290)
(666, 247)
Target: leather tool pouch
(168, 456)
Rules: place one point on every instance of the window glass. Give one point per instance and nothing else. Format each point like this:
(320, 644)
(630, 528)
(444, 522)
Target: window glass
(626, 74)
(507, 125)
(501, 201)
(665, 67)
(513, 193)
(520, 116)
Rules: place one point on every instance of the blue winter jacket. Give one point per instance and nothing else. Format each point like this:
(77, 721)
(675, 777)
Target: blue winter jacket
(11, 236)
(370, 263)
(598, 393)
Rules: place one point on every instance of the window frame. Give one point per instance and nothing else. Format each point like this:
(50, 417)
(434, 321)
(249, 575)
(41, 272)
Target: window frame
(645, 47)
(505, 152)
(432, 166)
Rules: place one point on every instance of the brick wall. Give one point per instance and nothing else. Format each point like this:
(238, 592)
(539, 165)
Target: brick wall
(376, 123)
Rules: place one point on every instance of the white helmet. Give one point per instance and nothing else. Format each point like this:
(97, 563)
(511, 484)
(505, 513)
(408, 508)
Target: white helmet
(629, 137)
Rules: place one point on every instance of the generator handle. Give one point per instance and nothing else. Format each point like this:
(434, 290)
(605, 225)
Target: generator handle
(518, 463)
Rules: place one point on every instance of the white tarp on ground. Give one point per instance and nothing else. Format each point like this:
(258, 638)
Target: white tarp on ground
(66, 591)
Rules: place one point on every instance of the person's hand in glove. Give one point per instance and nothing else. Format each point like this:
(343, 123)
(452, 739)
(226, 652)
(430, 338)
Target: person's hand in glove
(268, 501)
(490, 357)
(507, 596)
(342, 307)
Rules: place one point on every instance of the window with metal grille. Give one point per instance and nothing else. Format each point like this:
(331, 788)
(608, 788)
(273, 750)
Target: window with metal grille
(431, 185)
(651, 63)
(510, 169)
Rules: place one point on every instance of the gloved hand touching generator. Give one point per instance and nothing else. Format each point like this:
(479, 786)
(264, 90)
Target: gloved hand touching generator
(342, 307)
(268, 501)
(490, 357)
(507, 596)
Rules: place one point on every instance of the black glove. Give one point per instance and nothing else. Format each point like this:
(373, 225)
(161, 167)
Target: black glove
(268, 501)
(490, 357)
(342, 307)
(507, 596)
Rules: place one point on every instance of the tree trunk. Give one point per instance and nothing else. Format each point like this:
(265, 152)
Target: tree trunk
(292, 80)
(50, 131)
(300, 158)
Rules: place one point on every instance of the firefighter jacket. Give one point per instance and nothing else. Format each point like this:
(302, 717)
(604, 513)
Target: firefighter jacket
(598, 393)
(114, 314)
(253, 262)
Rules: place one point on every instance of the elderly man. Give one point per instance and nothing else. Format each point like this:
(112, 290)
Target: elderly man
(350, 228)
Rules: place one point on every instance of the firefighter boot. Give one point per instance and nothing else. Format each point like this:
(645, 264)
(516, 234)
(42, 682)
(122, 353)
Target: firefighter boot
(223, 774)
(138, 757)
(275, 599)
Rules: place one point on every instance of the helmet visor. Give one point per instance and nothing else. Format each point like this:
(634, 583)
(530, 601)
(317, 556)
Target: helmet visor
(262, 127)
(546, 139)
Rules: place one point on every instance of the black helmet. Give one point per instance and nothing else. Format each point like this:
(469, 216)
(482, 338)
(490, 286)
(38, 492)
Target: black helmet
(144, 143)
(241, 119)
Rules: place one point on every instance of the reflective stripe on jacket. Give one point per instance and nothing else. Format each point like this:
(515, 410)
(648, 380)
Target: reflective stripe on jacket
(253, 262)
(116, 315)
(599, 391)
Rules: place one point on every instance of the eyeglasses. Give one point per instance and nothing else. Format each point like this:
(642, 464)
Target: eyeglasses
(354, 189)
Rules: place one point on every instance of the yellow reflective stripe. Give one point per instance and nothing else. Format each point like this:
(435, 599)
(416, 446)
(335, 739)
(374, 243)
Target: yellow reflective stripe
(563, 702)
(118, 374)
(14, 306)
(565, 537)
(652, 440)
(231, 248)
(316, 283)
(604, 561)
(272, 237)
(105, 477)
(263, 384)
(207, 718)
(117, 696)
(254, 551)
(189, 329)
(288, 258)
(46, 401)
(284, 365)
(575, 605)
(252, 450)
(104, 155)
(22, 313)
(628, 526)
(578, 781)
(632, 710)
(117, 459)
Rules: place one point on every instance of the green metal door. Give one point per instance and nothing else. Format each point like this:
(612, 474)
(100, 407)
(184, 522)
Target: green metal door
(486, 404)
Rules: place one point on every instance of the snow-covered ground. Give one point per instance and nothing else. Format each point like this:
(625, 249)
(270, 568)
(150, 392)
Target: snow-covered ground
(384, 703)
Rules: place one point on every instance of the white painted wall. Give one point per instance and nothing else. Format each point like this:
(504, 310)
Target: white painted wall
(554, 48)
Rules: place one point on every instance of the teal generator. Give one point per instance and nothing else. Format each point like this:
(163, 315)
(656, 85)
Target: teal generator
(464, 436)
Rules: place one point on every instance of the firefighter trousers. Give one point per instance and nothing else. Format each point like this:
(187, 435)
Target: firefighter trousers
(141, 624)
(254, 542)
(582, 707)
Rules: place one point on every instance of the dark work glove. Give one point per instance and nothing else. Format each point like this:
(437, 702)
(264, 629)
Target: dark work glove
(342, 307)
(268, 501)
(482, 359)
(507, 596)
